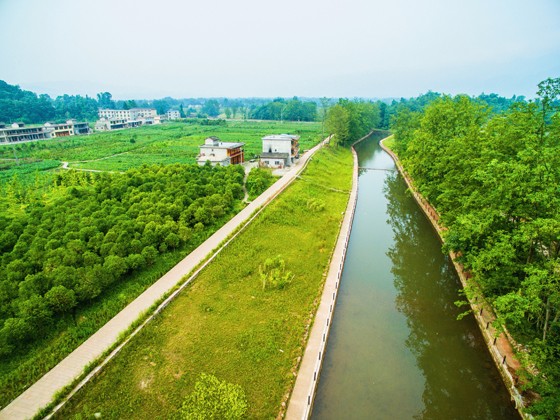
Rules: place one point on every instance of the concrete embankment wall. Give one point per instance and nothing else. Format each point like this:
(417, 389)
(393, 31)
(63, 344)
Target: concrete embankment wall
(498, 344)
(303, 394)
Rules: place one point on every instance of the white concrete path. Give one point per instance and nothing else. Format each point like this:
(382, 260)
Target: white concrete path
(42, 392)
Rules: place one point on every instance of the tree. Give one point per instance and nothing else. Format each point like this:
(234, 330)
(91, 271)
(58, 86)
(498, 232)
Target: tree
(337, 123)
(105, 100)
(211, 108)
(214, 399)
(61, 299)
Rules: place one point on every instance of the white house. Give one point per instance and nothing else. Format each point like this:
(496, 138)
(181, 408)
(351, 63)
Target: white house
(220, 153)
(173, 114)
(279, 150)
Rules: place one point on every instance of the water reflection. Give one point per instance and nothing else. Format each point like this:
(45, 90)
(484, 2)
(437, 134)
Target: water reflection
(396, 350)
(460, 379)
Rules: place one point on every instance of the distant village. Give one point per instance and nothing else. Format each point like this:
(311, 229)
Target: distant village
(278, 151)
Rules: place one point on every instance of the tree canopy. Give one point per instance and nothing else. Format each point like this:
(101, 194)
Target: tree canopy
(351, 120)
(495, 180)
(90, 230)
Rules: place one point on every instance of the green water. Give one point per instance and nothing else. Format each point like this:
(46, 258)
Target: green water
(396, 349)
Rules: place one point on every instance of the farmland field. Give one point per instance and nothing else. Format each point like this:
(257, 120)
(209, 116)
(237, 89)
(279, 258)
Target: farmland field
(120, 150)
(31, 184)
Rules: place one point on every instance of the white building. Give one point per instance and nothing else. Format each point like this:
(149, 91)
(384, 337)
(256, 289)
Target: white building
(112, 119)
(17, 132)
(132, 114)
(108, 124)
(220, 153)
(69, 128)
(279, 150)
(173, 114)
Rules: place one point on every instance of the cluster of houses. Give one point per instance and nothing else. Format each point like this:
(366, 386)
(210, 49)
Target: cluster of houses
(278, 151)
(109, 119)
(116, 119)
(18, 132)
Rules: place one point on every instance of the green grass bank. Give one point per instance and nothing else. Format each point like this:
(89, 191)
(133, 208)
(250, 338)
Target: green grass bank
(226, 323)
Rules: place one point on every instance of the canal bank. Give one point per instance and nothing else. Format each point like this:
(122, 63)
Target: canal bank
(396, 348)
(498, 343)
(303, 393)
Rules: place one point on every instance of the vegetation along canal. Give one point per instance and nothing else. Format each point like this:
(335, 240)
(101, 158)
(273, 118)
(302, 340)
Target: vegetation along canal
(396, 349)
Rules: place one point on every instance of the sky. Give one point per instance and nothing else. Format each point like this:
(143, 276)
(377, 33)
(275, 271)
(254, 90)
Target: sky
(257, 48)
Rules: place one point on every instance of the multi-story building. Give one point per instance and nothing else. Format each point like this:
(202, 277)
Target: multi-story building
(128, 114)
(133, 117)
(69, 128)
(279, 150)
(17, 132)
(108, 124)
(220, 153)
(173, 114)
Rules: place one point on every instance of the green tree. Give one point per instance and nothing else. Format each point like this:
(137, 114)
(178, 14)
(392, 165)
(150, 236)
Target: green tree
(211, 108)
(338, 119)
(61, 299)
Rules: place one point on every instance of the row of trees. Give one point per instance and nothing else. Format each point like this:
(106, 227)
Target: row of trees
(351, 120)
(292, 110)
(60, 253)
(494, 178)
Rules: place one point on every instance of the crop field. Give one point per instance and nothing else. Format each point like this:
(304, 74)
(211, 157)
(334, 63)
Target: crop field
(120, 150)
(229, 322)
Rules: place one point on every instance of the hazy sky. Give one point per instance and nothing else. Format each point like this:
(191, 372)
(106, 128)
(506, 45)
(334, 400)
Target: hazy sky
(241, 48)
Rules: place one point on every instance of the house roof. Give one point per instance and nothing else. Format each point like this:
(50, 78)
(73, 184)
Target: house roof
(286, 137)
(222, 145)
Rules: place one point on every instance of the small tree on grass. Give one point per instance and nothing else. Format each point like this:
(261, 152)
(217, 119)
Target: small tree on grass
(214, 399)
(273, 273)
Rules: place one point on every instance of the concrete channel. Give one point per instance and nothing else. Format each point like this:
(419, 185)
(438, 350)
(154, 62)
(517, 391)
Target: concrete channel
(305, 387)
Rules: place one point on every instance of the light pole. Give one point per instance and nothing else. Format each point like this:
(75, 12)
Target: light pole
(282, 112)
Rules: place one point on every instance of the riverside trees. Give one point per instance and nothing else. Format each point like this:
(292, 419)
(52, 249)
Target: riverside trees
(66, 248)
(350, 120)
(495, 180)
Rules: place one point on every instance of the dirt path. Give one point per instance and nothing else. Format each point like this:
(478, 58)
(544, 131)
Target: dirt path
(65, 164)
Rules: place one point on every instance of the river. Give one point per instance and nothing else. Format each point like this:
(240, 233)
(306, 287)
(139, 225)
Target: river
(396, 349)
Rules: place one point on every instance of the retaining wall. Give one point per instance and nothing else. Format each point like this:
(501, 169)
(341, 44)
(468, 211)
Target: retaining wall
(303, 394)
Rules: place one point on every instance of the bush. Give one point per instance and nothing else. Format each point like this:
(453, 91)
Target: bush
(214, 399)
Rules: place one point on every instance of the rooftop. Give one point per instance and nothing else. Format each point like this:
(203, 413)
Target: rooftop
(287, 137)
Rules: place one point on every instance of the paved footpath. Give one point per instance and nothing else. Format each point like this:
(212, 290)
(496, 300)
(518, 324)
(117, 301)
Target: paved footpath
(43, 391)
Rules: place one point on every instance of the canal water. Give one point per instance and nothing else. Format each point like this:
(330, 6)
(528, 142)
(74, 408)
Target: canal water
(396, 349)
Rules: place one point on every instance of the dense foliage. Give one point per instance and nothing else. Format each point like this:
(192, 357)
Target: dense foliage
(22, 105)
(351, 120)
(292, 110)
(258, 181)
(388, 110)
(495, 179)
(94, 229)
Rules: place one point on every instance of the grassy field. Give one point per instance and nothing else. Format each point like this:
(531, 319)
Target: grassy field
(225, 323)
(175, 142)
(156, 144)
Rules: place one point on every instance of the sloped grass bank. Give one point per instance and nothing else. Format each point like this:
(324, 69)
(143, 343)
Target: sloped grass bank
(225, 323)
